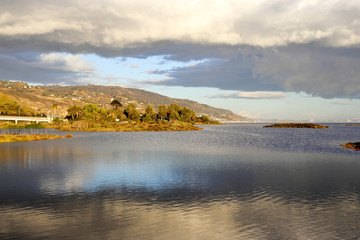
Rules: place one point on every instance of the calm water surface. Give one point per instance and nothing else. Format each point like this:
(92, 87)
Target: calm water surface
(225, 182)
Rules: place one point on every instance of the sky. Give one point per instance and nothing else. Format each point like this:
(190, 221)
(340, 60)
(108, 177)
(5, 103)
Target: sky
(266, 60)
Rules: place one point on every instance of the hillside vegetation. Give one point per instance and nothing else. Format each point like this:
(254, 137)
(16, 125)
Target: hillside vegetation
(9, 106)
(56, 100)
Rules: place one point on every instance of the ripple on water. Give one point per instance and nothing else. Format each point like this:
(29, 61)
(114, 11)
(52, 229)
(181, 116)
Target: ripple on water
(225, 182)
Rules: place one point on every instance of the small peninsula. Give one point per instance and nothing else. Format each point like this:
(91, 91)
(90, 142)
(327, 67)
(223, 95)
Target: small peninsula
(295, 125)
(116, 116)
(28, 137)
(350, 145)
(128, 118)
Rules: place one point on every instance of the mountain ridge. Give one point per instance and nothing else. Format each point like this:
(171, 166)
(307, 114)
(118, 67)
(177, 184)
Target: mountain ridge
(43, 98)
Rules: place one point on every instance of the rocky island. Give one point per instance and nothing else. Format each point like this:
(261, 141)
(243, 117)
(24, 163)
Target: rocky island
(350, 145)
(295, 125)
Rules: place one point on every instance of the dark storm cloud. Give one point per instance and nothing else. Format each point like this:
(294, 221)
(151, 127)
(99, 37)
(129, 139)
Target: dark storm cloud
(230, 74)
(320, 71)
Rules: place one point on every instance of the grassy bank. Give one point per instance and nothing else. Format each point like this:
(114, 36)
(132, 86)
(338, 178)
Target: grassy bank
(126, 127)
(295, 125)
(24, 137)
(22, 126)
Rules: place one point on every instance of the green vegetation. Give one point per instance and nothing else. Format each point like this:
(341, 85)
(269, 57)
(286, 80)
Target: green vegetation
(34, 126)
(22, 126)
(12, 126)
(204, 120)
(129, 118)
(10, 107)
(60, 98)
(295, 125)
(349, 145)
(23, 137)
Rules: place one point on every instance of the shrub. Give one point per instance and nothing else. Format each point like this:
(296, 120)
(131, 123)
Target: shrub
(34, 125)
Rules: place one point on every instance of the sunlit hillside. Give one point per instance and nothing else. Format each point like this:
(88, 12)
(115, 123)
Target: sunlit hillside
(55, 100)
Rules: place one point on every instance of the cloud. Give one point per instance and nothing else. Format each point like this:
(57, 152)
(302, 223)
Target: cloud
(252, 95)
(279, 45)
(44, 68)
(65, 62)
(313, 69)
(234, 73)
(108, 26)
(319, 71)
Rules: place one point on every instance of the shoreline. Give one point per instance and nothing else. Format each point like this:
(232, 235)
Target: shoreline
(5, 138)
(295, 125)
(126, 127)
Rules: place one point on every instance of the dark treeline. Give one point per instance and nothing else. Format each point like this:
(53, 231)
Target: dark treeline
(171, 113)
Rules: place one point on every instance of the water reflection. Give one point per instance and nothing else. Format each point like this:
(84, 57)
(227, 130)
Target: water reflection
(159, 186)
(108, 217)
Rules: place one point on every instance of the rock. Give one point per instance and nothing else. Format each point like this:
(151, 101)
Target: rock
(296, 125)
(349, 145)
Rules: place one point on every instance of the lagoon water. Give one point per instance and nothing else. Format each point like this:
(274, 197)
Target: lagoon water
(238, 181)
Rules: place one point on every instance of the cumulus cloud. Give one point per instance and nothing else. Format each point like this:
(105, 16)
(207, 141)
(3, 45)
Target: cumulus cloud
(252, 95)
(85, 25)
(44, 68)
(65, 62)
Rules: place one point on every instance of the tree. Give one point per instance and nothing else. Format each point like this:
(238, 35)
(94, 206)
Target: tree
(149, 110)
(120, 114)
(75, 112)
(91, 108)
(162, 112)
(149, 114)
(187, 115)
(116, 104)
(204, 119)
(131, 112)
(91, 112)
(173, 111)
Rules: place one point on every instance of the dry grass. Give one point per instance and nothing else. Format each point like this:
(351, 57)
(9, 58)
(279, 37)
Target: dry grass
(129, 127)
(24, 138)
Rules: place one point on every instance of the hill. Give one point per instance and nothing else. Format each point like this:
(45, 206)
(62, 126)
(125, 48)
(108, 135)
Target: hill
(9, 106)
(55, 99)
